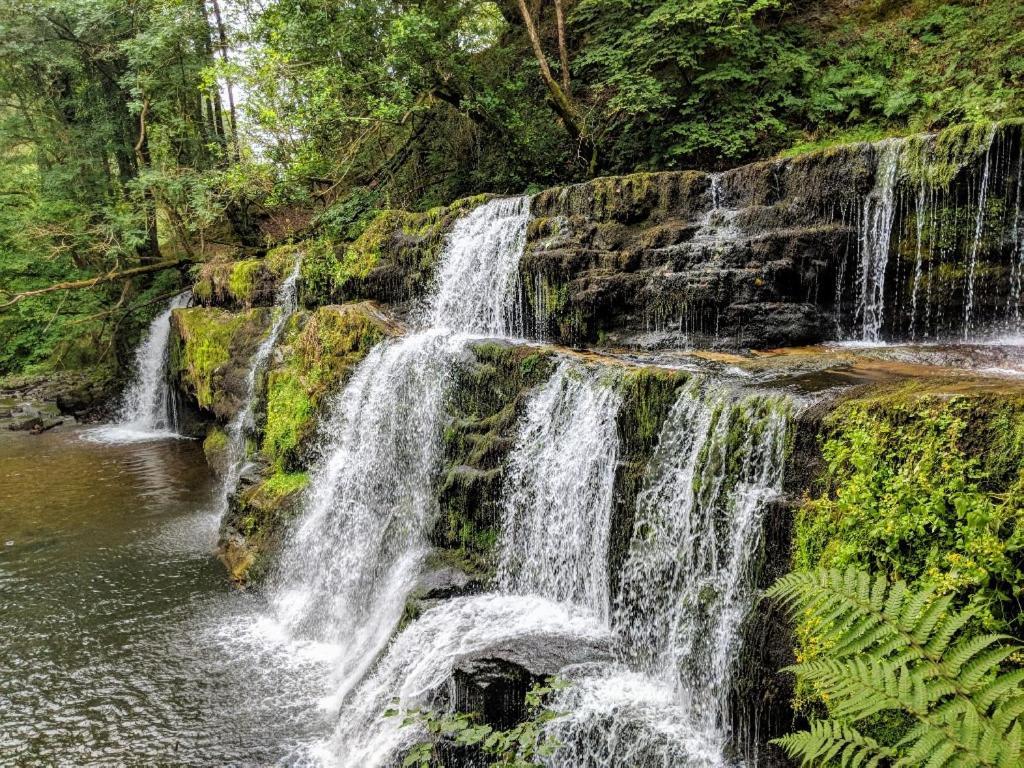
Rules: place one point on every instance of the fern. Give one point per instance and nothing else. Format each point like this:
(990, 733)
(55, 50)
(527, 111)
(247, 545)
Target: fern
(890, 648)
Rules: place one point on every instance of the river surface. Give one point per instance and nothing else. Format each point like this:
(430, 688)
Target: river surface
(121, 643)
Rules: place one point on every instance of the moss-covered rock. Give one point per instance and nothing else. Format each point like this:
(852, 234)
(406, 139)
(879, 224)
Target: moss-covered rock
(767, 254)
(243, 283)
(488, 395)
(217, 450)
(647, 397)
(210, 353)
(314, 358)
(317, 353)
(392, 260)
(255, 522)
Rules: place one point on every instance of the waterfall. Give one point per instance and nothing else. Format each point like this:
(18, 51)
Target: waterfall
(557, 498)
(146, 404)
(352, 559)
(686, 588)
(356, 552)
(1013, 308)
(285, 301)
(876, 222)
(476, 289)
(687, 584)
(147, 408)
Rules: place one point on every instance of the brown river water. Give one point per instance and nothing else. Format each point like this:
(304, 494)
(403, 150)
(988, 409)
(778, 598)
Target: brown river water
(121, 643)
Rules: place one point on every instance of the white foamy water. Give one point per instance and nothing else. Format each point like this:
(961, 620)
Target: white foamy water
(146, 411)
(476, 289)
(876, 223)
(614, 716)
(354, 555)
(418, 667)
(557, 498)
(686, 590)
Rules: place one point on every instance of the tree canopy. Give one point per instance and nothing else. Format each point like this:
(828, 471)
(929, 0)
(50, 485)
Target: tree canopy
(165, 131)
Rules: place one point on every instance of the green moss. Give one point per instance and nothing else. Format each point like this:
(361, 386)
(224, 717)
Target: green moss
(207, 339)
(929, 488)
(278, 486)
(243, 280)
(318, 269)
(281, 260)
(256, 520)
(488, 394)
(405, 244)
(215, 448)
(319, 350)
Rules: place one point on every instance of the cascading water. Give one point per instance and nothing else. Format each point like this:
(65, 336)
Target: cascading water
(418, 667)
(146, 409)
(938, 256)
(347, 569)
(686, 589)
(979, 224)
(354, 557)
(476, 289)
(558, 493)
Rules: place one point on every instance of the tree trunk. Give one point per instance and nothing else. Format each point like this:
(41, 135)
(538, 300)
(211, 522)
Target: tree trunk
(563, 105)
(108, 277)
(223, 39)
(563, 49)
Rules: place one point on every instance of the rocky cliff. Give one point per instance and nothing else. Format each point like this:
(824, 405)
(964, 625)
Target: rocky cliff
(916, 238)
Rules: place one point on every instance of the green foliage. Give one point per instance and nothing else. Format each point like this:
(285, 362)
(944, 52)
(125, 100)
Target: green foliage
(684, 81)
(890, 648)
(106, 154)
(928, 489)
(521, 746)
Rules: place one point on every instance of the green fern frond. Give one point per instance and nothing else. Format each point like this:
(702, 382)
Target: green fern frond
(827, 739)
(890, 648)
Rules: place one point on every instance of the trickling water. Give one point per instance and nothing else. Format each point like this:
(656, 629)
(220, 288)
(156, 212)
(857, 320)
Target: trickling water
(686, 588)
(919, 257)
(557, 497)
(979, 224)
(1013, 309)
(877, 216)
(285, 303)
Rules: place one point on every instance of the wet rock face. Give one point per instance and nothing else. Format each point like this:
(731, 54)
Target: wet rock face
(679, 259)
(910, 238)
(902, 239)
(495, 689)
